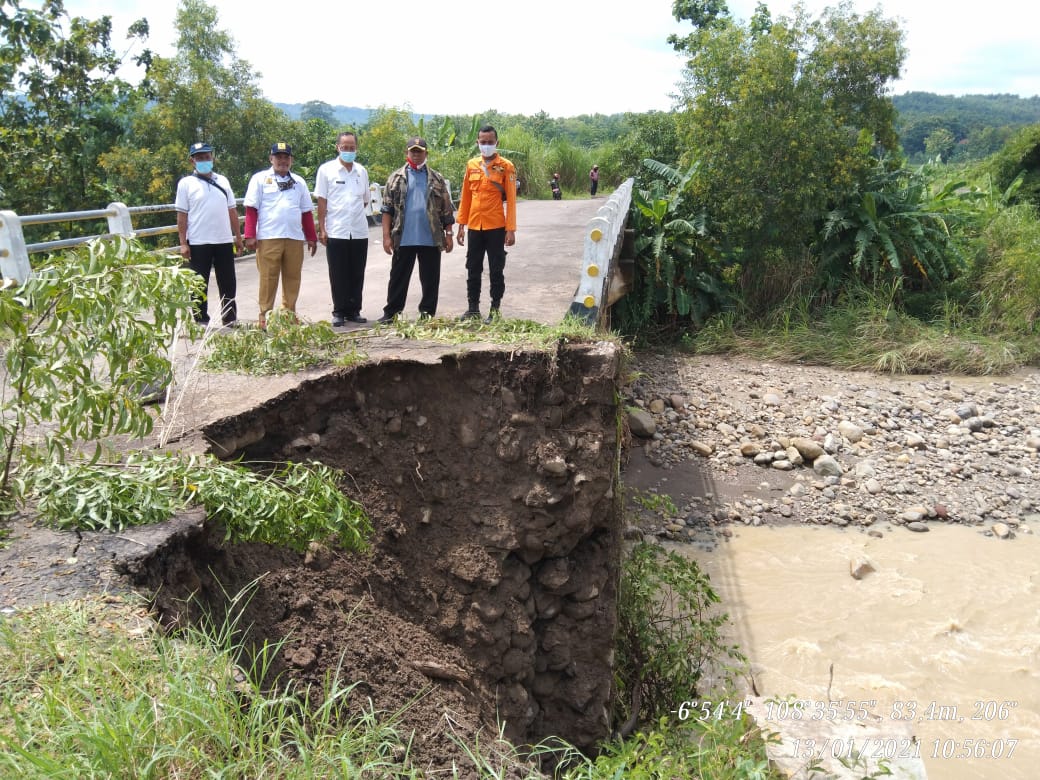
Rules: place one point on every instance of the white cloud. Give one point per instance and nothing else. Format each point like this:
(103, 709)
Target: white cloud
(954, 47)
(565, 57)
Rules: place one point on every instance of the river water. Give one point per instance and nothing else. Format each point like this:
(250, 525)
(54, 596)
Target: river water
(945, 633)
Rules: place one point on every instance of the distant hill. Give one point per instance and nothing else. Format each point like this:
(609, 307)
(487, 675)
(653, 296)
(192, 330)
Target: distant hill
(348, 116)
(978, 110)
(978, 125)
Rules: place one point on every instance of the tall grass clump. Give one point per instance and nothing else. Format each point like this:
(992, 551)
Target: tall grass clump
(91, 689)
(1008, 290)
(866, 329)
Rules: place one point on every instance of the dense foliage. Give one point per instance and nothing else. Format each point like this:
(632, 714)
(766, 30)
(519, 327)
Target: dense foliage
(968, 127)
(781, 176)
(61, 106)
(83, 341)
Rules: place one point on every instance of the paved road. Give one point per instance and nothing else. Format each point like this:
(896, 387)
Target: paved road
(542, 271)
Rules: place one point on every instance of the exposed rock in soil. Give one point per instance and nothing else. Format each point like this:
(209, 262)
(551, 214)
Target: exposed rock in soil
(490, 589)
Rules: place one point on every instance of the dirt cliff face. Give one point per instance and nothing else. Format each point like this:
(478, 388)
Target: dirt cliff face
(489, 593)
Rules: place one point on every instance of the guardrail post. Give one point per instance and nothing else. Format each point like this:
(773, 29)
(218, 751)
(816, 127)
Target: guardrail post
(120, 223)
(14, 257)
(602, 239)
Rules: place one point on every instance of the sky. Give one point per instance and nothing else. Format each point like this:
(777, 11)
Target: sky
(564, 57)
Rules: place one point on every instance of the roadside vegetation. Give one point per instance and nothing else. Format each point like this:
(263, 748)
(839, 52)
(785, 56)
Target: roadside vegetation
(793, 228)
(776, 214)
(94, 688)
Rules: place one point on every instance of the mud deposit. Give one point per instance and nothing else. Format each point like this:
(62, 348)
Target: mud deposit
(489, 593)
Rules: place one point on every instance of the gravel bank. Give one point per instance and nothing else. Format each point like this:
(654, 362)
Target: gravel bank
(733, 440)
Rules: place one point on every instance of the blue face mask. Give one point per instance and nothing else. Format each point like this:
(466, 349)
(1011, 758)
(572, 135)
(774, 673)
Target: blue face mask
(204, 166)
(348, 157)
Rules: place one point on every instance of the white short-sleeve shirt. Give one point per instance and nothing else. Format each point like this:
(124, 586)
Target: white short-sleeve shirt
(347, 196)
(279, 208)
(207, 208)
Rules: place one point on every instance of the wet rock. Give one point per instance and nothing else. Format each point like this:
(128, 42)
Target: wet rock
(809, 449)
(860, 567)
(641, 423)
(917, 526)
(827, 466)
(749, 449)
(702, 448)
(850, 431)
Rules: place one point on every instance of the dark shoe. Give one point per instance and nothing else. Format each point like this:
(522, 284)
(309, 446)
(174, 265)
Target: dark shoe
(425, 315)
(356, 318)
(386, 319)
(469, 314)
(493, 315)
(338, 322)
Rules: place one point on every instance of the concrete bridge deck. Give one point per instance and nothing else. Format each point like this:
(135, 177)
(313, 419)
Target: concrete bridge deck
(542, 271)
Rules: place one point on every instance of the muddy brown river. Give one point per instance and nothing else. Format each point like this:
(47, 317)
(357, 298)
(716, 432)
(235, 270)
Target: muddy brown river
(945, 633)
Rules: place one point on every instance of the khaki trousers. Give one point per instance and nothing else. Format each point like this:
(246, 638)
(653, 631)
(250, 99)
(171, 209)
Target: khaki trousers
(279, 257)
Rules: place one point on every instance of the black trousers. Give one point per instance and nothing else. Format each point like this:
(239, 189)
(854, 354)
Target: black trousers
(493, 243)
(593, 186)
(219, 258)
(401, 266)
(347, 258)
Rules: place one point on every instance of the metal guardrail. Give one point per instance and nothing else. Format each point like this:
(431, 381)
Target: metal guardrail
(603, 240)
(14, 252)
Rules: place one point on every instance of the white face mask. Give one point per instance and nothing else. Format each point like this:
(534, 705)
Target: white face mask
(487, 150)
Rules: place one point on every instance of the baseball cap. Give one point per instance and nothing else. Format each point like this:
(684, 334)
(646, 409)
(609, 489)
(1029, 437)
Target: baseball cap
(198, 148)
(415, 142)
(281, 148)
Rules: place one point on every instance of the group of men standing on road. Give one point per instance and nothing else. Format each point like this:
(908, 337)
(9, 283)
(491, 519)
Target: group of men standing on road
(417, 222)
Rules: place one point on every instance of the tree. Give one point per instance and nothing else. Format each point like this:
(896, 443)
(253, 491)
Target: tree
(78, 351)
(203, 93)
(61, 106)
(1020, 158)
(381, 146)
(318, 109)
(939, 143)
(784, 118)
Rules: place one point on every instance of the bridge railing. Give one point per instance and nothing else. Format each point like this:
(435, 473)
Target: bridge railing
(604, 238)
(600, 282)
(14, 251)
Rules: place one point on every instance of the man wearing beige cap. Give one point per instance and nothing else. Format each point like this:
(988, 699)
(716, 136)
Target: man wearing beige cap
(417, 220)
(279, 220)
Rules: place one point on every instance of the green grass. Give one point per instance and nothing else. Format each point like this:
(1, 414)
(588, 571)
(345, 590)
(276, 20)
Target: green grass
(867, 332)
(284, 347)
(91, 689)
(501, 330)
(287, 346)
(658, 503)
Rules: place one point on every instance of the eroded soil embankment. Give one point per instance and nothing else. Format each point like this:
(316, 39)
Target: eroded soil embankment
(489, 594)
